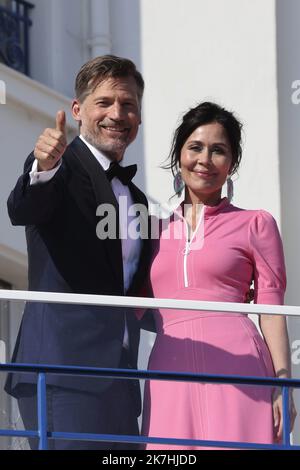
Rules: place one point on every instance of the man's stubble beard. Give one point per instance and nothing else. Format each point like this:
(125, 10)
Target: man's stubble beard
(113, 150)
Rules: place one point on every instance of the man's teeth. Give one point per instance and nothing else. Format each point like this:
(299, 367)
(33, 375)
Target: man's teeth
(115, 129)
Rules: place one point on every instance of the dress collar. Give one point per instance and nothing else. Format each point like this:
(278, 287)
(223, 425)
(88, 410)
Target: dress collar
(212, 210)
(208, 210)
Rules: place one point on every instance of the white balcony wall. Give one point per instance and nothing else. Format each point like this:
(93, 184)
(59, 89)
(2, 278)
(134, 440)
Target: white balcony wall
(58, 42)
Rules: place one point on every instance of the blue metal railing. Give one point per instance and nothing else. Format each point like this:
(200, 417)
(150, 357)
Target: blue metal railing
(14, 34)
(43, 434)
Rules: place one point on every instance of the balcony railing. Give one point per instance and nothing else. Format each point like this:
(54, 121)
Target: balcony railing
(14, 34)
(42, 370)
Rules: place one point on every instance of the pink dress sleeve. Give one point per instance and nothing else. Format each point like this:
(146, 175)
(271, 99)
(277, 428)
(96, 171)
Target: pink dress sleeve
(268, 260)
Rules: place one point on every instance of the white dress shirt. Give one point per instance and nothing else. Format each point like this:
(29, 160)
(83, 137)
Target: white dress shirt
(131, 248)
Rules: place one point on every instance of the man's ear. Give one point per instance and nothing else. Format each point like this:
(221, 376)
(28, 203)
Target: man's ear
(76, 110)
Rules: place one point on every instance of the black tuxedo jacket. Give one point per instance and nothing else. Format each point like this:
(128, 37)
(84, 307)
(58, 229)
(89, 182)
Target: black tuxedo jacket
(65, 255)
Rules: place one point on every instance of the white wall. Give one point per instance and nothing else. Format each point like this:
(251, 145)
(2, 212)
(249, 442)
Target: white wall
(58, 44)
(216, 50)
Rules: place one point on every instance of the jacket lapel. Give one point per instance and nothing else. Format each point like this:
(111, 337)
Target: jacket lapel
(103, 194)
(145, 256)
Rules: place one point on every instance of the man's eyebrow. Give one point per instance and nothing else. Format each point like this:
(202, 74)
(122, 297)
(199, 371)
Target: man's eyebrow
(102, 97)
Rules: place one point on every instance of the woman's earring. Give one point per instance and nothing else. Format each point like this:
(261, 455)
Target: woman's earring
(229, 189)
(178, 183)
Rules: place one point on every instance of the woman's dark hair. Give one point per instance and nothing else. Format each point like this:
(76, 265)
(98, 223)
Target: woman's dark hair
(206, 113)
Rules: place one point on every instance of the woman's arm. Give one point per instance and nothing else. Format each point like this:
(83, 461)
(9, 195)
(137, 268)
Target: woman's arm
(274, 330)
(275, 333)
(269, 286)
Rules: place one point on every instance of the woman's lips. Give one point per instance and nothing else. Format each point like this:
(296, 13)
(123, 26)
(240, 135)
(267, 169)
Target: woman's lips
(204, 174)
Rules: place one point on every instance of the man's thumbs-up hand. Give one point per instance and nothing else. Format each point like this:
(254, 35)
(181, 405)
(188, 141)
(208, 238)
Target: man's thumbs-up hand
(51, 144)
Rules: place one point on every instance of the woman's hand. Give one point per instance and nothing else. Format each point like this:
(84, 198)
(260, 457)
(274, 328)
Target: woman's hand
(278, 413)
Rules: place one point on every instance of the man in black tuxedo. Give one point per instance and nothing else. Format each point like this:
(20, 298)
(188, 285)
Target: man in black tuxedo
(57, 198)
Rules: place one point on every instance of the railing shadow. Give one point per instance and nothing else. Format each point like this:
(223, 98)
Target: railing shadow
(43, 434)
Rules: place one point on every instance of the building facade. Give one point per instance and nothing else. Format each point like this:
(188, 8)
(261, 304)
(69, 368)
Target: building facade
(239, 53)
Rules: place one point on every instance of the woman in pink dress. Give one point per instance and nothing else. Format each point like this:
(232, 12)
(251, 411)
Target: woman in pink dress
(211, 250)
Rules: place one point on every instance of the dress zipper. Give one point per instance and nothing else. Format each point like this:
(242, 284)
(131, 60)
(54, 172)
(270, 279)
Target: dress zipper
(187, 248)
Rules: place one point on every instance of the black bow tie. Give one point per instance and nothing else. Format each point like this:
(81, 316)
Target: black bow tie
(123, 173)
